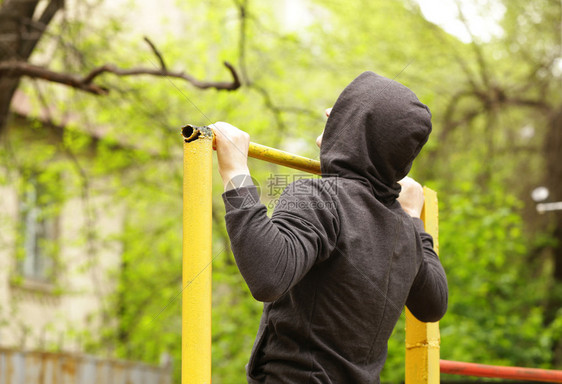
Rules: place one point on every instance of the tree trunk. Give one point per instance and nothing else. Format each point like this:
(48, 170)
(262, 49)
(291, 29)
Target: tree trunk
(19, 34)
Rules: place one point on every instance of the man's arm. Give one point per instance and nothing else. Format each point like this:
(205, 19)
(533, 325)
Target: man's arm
(428, 296)
(429, 293)
(273, 254)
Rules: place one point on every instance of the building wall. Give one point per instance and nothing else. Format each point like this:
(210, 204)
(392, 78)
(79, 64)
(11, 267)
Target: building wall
(36, 315)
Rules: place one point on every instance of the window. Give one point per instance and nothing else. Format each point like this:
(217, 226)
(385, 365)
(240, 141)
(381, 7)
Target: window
(38, 229)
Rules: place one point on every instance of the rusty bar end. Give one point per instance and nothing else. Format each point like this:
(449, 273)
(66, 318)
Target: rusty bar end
(192, 132)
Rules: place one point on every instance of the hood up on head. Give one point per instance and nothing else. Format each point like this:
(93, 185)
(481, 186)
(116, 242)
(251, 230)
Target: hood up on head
(375, 130)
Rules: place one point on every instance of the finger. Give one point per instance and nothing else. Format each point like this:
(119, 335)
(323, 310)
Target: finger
(407, 178)
(404, 181)
(223, 131)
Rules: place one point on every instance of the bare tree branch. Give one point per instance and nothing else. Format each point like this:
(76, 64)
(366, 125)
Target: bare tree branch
(477, 49)
(276, 111)
(470, 77)
(156, 53)
(18, 68)
(50, 11)
(448, 124)
(242, 6)
(538, 104)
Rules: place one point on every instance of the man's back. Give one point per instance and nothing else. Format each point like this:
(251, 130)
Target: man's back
(339, 257)
(334, 324)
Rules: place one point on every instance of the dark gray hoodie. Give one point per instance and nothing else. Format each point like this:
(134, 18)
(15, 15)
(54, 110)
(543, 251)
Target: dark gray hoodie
(339, 258)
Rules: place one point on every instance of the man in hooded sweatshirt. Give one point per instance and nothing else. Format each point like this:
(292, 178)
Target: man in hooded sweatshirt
(340, 256)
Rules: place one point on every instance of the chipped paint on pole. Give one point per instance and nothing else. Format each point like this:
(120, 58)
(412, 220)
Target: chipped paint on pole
(196, 276)
(422, 339)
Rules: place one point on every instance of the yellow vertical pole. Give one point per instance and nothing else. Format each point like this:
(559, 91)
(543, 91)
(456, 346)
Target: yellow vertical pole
(422, 339)
(196, 275)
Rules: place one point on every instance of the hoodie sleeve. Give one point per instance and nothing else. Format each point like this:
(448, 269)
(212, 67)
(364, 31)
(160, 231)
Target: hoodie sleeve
(429, 293)
(273, 254)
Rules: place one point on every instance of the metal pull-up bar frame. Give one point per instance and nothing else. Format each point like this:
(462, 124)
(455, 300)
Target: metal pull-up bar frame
(422, 339)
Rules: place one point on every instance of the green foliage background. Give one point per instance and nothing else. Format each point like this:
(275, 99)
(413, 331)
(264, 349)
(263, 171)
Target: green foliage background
(489, 237)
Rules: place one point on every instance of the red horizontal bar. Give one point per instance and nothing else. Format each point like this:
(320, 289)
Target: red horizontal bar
(515, 373)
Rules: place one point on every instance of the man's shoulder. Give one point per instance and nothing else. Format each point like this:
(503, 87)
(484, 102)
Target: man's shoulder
(315, 187)
(308, 194)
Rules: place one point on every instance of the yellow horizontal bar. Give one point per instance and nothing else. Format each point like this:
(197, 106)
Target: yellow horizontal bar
(261, 152)
(277, 156)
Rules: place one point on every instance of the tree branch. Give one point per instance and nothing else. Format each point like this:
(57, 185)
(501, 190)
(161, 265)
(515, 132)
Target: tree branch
(156, 53)
(531, 103)
(242, 13)
(50, 11)
(17, 69)
(20, 68)
(477, 49)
